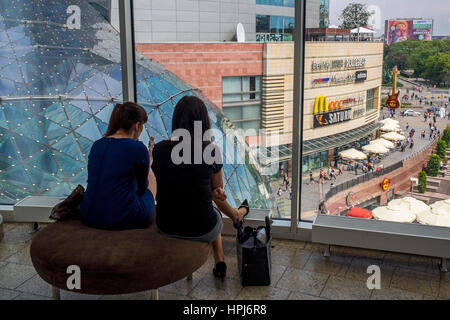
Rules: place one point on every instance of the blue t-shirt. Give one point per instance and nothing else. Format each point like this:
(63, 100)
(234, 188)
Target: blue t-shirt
(117, 196)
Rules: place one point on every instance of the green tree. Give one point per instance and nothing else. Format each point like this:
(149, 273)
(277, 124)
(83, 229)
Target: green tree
(422, 182)
(437, 68)
(434, 164)
(441, 149)
(354, 15)
(446, 136)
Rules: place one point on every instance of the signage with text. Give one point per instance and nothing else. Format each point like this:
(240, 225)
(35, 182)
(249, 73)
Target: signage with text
(361, 76)
(330, 118)
(339, 64)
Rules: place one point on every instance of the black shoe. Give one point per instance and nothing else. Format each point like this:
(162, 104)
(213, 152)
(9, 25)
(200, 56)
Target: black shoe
(220, 270)
(244, 204)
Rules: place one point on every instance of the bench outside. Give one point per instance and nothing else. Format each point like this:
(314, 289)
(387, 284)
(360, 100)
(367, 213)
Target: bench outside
(407, 238)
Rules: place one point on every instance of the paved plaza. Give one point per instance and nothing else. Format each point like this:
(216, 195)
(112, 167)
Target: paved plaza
(310, 194)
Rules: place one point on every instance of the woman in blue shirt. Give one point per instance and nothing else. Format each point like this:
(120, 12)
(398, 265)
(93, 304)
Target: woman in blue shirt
(121, 187)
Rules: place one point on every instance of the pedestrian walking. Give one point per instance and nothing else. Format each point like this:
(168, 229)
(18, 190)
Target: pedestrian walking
(341, 167)
(322, 176)
(311, 179)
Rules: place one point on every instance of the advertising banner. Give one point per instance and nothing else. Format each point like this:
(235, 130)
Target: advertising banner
(413, 29)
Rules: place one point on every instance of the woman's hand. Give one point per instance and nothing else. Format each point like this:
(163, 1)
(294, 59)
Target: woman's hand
(219, 195)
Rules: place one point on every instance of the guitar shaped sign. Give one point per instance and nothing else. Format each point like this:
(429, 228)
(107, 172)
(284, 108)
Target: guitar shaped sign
(392, 101)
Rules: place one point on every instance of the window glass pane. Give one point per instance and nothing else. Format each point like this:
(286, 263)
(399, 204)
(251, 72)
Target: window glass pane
(288, 25)
(276, 24)
(262, 23)
(251, 112)
(232, 84)
(233, 113)
(248, 125)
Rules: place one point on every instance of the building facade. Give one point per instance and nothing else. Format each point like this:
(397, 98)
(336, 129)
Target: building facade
(253, 84)
(216, 20)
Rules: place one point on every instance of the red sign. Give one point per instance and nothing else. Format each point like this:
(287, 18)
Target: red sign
(385, 184)
(392, 101)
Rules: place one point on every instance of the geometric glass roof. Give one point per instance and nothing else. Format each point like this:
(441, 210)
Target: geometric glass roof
(58, 87)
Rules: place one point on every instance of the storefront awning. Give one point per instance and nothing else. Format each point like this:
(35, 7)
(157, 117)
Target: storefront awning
(317, 145)
(338, 140)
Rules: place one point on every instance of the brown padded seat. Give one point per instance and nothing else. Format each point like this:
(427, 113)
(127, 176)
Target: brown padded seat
(114, 262)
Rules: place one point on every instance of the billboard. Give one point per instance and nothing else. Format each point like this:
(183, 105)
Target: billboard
(409, 29)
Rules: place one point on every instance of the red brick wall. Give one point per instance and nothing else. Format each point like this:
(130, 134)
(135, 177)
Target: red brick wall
(204, 64)
(400, 181)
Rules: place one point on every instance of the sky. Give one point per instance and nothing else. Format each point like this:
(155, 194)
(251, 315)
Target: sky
(439, 10)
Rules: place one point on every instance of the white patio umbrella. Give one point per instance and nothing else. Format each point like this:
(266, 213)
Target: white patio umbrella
(385, 143)
(375, 148)
(441, 207)
(393, 136)
(401, 210)
(390, 127)
(389, 121)
(438, 216)
(352, 154)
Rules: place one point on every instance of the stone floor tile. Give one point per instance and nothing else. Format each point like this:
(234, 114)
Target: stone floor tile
(183, 286)
(334, 264)
(212, 288)
(277, 272)
(358, 270)
(338, 288)
(6, 294)
(172, 296)
(301, 296)
(415, 281)
(18, 235)
(395, 294)
(263, 293)
(29, 296)
(8, 249)
(13, 275)
(21, 257)
(303, 281)
(69, 295)
(36, 285)
(444, 290)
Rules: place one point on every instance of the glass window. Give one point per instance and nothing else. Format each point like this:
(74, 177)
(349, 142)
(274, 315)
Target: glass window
(288, 25)
(247, 114)
(262, 23)
(276, 24)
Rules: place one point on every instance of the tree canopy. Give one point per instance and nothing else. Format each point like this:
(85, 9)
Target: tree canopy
(354, 15)
(429, 59)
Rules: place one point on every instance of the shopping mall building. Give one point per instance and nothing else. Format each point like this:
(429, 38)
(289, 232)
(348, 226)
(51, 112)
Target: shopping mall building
(252, 82)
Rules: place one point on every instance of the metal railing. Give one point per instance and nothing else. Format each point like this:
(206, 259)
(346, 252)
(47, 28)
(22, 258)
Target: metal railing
(361, 179)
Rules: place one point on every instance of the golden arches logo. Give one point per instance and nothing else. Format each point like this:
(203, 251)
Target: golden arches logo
(321, 105)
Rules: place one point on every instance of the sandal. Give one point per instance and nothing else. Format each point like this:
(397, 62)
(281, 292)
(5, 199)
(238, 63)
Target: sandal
(220, 270)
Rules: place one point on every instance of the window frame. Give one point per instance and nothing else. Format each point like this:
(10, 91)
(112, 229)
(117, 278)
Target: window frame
(294, 228)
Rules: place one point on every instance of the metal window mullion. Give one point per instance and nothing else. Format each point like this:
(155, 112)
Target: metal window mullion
(297, 132)
(128, 60)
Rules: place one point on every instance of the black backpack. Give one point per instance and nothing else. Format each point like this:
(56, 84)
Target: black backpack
(253, 246)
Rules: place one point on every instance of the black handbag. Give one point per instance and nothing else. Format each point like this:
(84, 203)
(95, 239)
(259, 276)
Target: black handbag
(69, 208)
(253, 246)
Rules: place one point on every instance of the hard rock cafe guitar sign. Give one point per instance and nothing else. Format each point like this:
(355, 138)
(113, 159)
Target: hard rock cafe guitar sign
(392, 101)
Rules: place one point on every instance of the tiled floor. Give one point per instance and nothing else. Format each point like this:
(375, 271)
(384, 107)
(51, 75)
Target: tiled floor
(299, 272)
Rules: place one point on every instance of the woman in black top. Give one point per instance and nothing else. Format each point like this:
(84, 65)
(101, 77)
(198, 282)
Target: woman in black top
(188, 181)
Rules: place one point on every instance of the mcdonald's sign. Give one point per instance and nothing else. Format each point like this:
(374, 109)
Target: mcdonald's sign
(329, 113)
